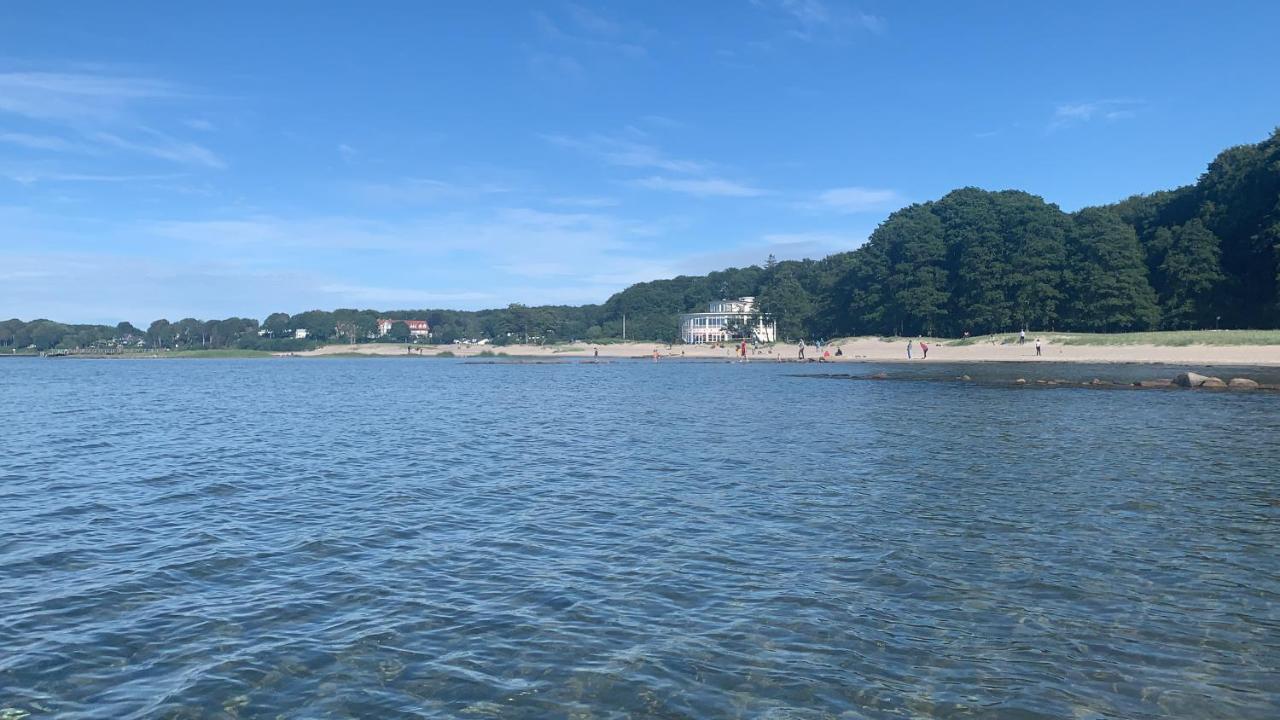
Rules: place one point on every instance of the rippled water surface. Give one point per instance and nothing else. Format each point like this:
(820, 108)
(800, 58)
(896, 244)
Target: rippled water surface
(430, 538)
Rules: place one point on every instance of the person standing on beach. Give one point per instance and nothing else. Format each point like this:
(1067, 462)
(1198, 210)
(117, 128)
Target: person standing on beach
(1022, 336)
(909, 342)
(743, 349)
(1037, 347)
(597, 352)
(924, 348)
(801, 347)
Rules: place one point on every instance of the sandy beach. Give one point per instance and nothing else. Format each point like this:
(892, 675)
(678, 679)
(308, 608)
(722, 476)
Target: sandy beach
(861, 349)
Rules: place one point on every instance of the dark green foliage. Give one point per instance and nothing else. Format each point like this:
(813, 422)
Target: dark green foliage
(787, 302)
(1189, 275)
(399, 332)
(1106, 276)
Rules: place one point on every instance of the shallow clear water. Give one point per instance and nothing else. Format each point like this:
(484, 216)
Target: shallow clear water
(430, 538)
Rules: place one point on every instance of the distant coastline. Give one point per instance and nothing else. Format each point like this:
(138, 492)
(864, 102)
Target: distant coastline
(1185, 348)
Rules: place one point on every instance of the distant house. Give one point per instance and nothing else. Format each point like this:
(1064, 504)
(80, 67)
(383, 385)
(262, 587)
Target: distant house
(300, 334)
(728, 320)
(417, 328)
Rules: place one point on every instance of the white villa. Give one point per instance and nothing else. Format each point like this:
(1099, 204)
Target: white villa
(711, 326)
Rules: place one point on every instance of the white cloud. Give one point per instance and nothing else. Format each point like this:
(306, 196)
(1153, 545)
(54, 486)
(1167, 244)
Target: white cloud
(857, 199)
(102, 110)
(584, 201)
(626, 153)
(42, 142)
(1068, 114)
(76, 96)
(424, 191)
(812, 20)
(700, 187)
(28, 177)
(160, 145)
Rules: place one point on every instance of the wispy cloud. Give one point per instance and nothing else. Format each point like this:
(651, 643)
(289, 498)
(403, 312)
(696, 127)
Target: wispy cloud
(28, 177)
(584, 201)
(583, 28)
(1079, 113)
(77, 96)
(812, 20)
(42, 142)
(424, 191)
(700, 187)
(157, 144)
(857, 199)
(97, 113)
(626, 153)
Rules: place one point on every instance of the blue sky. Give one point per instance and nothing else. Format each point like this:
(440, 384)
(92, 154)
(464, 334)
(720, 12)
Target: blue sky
(238, 158)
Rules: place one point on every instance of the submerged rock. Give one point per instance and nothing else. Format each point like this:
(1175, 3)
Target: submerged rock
(1243, 384)
(1154, 383)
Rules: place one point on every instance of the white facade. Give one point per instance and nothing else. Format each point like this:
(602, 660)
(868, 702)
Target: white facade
(712, 326)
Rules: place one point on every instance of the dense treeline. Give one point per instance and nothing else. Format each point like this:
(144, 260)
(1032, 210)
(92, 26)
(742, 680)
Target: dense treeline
(972, 261)
(975, 261)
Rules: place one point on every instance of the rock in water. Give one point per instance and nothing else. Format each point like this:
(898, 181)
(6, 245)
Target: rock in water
(1190, 379)
(1020, 381)
(1213, 382)
(1154, 383)
(1243, 384)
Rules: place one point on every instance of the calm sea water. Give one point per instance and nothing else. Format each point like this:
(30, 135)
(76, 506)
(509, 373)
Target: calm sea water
(428, 538)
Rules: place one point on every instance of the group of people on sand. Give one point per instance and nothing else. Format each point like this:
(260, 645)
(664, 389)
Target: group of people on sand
(924, 349)
(825, 354)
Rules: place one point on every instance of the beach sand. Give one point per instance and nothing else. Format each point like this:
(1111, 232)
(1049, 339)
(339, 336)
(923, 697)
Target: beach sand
(862, 349)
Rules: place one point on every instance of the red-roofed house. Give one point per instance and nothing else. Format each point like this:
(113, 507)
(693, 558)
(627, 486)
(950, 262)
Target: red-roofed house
(417, 328)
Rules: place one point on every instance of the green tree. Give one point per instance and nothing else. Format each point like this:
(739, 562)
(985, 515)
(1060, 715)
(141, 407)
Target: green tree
(917, 284)
(784, 300)
(160, 334)
(399, 332)
(1106, 275)
(277, 324)
(1191, 272)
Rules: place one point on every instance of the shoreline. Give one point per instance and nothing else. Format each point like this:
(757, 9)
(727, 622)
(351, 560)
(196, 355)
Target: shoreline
(1098, 350)
(853, 350)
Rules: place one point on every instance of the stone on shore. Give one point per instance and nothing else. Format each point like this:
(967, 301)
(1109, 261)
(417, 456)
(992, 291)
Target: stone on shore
(1190, 379)
(1213, 383)
(1243, 384)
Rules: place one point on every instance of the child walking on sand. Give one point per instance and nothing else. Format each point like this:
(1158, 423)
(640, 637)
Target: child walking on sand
(1037, 347)
(909, 349)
